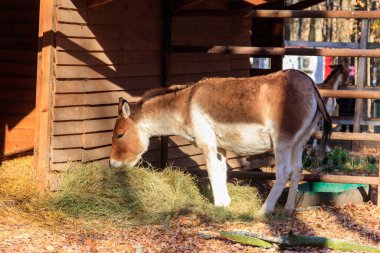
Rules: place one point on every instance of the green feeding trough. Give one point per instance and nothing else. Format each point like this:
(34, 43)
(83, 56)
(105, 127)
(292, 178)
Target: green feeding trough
(320, 193)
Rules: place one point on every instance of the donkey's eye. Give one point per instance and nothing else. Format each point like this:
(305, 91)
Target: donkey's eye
(119, 135)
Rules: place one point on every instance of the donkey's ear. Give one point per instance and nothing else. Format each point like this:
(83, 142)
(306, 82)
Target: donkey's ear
(124, 110)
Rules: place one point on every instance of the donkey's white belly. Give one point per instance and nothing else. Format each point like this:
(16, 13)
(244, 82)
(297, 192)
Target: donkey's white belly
(243, 139)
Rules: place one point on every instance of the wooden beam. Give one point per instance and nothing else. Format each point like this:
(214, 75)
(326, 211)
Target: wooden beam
(44, 85)
(350, 93)
(279, 13)
(241, 174)
(343, 136)
(97, 3)
(270, 51)
(312, 14)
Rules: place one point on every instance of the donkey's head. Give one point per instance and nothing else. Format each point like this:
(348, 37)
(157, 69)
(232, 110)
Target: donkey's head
(337, 77)
(129, 141)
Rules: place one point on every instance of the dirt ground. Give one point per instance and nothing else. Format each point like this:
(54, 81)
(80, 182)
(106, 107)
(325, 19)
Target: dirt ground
(356, 223)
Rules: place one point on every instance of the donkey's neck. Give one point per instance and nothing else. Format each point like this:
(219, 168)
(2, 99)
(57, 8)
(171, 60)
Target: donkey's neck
(331, 84)
(164, 115)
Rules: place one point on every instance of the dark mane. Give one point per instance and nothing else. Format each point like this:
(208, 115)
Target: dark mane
(162, 91)
(335, 68)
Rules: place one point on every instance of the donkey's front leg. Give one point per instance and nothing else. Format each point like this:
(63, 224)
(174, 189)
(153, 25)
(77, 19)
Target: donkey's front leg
(217, 172)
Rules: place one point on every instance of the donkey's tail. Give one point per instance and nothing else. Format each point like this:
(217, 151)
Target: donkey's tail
(327, 122)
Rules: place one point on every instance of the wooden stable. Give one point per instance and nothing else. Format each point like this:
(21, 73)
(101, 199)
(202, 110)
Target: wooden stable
(87, 53)
(18, 68)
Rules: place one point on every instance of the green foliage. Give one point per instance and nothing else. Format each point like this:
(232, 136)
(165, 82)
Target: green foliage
(138, 195)
(340, 160)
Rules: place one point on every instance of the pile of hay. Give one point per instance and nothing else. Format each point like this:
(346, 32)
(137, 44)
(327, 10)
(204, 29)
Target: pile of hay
(127, 195)
(139, 195)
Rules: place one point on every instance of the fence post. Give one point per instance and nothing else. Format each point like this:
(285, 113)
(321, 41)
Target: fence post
(361, 80)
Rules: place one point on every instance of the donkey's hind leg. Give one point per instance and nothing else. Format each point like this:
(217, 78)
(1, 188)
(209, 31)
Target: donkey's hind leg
(284, 169)
(295, 177)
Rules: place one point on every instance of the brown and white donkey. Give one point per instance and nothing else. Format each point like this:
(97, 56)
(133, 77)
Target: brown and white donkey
(276, 112)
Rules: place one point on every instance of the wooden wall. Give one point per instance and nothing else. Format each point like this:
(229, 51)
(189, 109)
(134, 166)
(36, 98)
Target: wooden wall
(101, 54)
(18, 58)
(232, 31)
(115, 50)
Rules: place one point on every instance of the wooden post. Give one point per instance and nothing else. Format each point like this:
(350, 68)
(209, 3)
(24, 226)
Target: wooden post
(167, 13)
(277, 38)
(361, 80)
(46, 35)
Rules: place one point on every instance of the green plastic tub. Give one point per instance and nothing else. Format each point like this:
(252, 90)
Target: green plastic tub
(319, 193)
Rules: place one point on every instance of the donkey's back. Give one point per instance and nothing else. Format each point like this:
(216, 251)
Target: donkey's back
(250, 115)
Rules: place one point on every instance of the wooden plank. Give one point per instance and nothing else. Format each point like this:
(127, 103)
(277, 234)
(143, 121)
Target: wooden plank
(18, 133)
(16, 82)
(199, 67)
(19, 121)
(189, 161)
(102, 16)
(85, 126)
(66, 155)
(87, 141)
(350, 136)
(20, 4)
(109, 84)
(82, 5)
(25, 42)
(69, 141)
(21, 16)
(176, 141)
(96, 154)
(73, 127)
(312, 14)
(107, 58)
(92, 140)
(180, 79)
(22, 108)
(107, 44)
(17, 146)
(90, 99)
(18, 29)
(12, 55)
(88, 72)
(272, 51)
(240, 64)
(183, 151)
(185, 57)
(18, 69)
(289, 43)
(16, 95)
(148, 30)
(240, 174)
(84, 112)
(351, 93)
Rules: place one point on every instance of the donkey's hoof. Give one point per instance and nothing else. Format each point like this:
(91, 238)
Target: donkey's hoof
(264, 212)
(225, 202)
